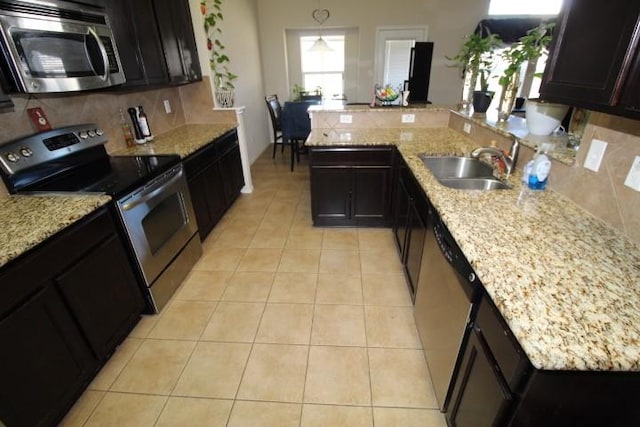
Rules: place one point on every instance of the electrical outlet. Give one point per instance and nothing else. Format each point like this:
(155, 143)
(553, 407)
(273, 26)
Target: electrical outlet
(595, 155)
(167, 106)
(466, 127)
(346, 118)
(633, 178)
(408, 118)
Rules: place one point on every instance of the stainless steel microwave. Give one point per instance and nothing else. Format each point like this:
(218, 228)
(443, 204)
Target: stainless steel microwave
(57, 46)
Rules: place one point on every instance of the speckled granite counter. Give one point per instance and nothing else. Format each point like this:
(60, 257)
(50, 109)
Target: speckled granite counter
(182, 141)
(29, 220)
(567, 284)
(340, 107)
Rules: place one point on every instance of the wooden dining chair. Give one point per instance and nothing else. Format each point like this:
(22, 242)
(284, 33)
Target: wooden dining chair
(275, 113)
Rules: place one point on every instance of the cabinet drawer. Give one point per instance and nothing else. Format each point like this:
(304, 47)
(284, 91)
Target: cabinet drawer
(507, 352)
(226, 142)
(352, 156)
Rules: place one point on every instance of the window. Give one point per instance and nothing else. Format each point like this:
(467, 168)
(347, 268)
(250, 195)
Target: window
(524, 7)
(323, 70)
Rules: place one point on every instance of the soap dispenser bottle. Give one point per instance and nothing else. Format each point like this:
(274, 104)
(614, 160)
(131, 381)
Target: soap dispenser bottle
(538, 169)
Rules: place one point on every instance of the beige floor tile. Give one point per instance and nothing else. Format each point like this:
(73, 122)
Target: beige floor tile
(300, 261)
(195, 412)
(288, 195)
(381, 261)
(183, 320)
(332, 415)
(275, 372)
(338, 325)
(234, 321)
(344, 239)
(280, 211)
(286, 324)
(339, 289)
(220, 259)
(214, 370)
(391, 327)
(234, 238)
(127, 410)
(394, 417)
(83, 408)
(385, 289)
(116, 364)
(260, 260)
(399, 377)
(294, 288)
(203, 285)
(338, 375)
(155, 367)
(271, 235)
(249, 286)
(376, 238)
(264, 414)
(144, 326)
(340, 262)
(301, 238)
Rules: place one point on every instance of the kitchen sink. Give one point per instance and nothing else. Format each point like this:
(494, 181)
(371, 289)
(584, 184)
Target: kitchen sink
(464, 173)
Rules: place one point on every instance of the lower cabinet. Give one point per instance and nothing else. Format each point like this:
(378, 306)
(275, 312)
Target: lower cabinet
(64, 308)
(214, 174)
(351, 186)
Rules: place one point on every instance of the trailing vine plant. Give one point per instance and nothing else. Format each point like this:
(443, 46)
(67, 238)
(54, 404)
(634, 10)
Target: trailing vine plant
(219, 61)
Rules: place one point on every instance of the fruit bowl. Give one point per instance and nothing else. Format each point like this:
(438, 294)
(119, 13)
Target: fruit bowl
(386, 95)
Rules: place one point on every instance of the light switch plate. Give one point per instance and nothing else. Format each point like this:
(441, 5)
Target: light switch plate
(595, 155)
(408, 118)
(167, 106)
(466, 127)
(633, 178)
(346, 118)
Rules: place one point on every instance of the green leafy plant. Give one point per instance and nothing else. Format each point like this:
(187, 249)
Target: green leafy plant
(529, 48)
(219, 62)
(477, 56)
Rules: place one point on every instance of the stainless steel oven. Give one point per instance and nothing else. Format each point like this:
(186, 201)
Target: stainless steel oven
(57, 46)
(160, 222)
(150, 193)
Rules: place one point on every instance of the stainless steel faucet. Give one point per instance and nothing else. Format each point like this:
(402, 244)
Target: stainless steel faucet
(508, 159)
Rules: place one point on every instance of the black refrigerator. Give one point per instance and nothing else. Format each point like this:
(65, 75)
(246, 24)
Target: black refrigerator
(419, 72)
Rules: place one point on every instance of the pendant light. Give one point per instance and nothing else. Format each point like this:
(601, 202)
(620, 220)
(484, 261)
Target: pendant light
(320, 45)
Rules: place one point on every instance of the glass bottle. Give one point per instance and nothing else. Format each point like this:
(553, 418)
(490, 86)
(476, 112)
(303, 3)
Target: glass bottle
(126, 131)
(144, 124)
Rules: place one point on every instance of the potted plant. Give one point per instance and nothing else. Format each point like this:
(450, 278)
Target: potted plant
(475, 59)
(528, 49)
(219, 62)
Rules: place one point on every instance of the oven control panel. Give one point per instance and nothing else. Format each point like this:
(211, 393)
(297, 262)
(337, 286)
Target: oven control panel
(43, 147)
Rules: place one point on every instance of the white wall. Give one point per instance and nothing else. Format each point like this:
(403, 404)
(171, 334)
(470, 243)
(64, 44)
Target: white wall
(447, 21)
(240, 37)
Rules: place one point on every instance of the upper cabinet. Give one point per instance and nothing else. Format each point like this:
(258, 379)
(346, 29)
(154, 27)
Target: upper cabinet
(155, 41)
(593, 61)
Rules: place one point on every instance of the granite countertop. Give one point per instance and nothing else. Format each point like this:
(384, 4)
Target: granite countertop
(567, 284)
(340, 107)
(183, 141)
(29, 220)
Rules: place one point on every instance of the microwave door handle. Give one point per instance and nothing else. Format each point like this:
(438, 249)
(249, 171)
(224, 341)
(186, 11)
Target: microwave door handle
(103, 52)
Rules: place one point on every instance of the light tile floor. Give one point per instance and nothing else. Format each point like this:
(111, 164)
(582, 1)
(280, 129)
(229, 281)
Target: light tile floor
(279, 324)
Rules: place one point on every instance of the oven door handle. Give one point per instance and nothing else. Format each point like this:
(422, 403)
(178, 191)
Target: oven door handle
(156, 188)
(103, 52)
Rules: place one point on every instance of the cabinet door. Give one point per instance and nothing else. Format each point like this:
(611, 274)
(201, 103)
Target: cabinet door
(631, 93)
(401, 218)
(591, 52)
(44, 362)
(331, 195)
(207, 196)
(480, 396)
(138, 41)
(231, 169)
(178, 42)
(371, 195)
(417, 227)
(103, 295)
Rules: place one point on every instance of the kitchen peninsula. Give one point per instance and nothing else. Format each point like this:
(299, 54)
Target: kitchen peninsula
(565, 284)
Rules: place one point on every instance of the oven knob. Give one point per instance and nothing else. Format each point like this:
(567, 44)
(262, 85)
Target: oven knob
(12, 157)
(91, 133)
(26, 151)
(83, 134)
(99, 132)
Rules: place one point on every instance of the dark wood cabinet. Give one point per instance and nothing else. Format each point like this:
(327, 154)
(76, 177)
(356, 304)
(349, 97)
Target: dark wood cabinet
(214, 174)
(5, 101)
(411, 215)
(591, 58)
(64, 307)
(178, 42)
(155, 41)
(351, 186)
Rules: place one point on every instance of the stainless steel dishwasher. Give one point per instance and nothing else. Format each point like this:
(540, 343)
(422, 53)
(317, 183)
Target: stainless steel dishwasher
(445, 297)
